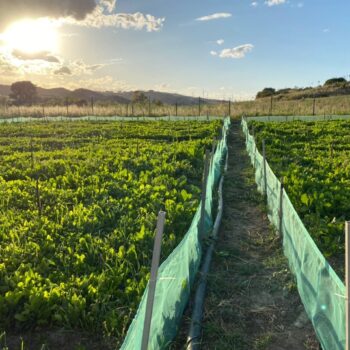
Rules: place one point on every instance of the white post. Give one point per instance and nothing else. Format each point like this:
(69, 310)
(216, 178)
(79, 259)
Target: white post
(347, 281)
(153, 280)
(204, 195)
(281, 208)
(264, 160)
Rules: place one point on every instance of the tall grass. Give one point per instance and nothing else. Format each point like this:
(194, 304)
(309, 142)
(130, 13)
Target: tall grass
(323, 106)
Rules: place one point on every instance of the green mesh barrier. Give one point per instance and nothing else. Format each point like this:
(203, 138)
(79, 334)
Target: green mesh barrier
(106, 118)
(176, 274)
(321, 290)
(290, 118)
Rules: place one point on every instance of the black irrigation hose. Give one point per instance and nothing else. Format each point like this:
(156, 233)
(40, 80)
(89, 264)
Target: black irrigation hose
(194, 335)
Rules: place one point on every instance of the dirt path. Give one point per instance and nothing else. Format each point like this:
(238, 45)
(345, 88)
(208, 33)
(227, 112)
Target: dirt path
(252, 301)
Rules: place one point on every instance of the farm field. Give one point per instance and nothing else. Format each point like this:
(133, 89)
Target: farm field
(313, 159)
(78, 209)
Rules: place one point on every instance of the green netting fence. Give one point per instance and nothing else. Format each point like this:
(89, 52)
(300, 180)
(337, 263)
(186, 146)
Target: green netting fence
(177, 273)
(106, 118)
(321, 290)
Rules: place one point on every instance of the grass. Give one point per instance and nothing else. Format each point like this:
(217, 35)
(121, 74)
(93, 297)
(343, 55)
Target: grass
(323, 106)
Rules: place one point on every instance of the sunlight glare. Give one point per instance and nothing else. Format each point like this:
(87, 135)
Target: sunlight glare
(31, 36)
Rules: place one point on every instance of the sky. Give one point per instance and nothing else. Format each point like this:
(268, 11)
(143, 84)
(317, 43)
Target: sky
(226, 49)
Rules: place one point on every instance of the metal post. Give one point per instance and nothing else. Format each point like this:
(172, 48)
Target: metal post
(229, 108)
(149, 106)
(280, 212)
(92, 105)
(264, 160)
(271, 104)
(314, 107)
(153, 280)
(199, 106)
(67, 105)
(204, 195)
(176, 108)
(347, 283)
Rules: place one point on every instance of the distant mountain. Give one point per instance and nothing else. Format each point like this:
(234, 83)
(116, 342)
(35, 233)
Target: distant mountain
(123, 97)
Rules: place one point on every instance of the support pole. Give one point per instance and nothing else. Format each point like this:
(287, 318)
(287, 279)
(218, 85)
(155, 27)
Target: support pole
(149, 106)
(314, 106)
(347, 283)
(271, 105)
(204, 195)
(153, 280)
(199, 106)
(92, 105)
(176, 108)
(280, 212)
(264, 160)
(229, 108)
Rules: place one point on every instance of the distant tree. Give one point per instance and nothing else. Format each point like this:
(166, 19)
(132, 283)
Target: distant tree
(158, 103)
(335, 81)
(23, 92)
(3, 100)
(139, 97)
(266, 93)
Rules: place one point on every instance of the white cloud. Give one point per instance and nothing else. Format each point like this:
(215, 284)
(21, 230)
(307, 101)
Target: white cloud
(274, 2)
(213, 53)
(236, 52)
(254, 4)
(214, 16)
(92, 13)
(99, 19)
(326, 30)
(220, 41)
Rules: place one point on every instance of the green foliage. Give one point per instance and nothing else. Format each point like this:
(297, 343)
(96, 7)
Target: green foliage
(335, 81)
(266, 93)
(78, 209)
(23, 92)
(313, 158)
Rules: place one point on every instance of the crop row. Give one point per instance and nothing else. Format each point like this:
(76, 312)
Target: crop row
(78, 208)
(313, 158)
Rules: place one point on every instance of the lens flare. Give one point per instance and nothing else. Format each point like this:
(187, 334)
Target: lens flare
(31, 36)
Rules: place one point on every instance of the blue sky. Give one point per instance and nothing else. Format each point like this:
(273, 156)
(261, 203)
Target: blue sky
(289, 43)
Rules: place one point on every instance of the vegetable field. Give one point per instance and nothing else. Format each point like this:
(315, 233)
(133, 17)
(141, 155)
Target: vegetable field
(313, 158)
(78, 208)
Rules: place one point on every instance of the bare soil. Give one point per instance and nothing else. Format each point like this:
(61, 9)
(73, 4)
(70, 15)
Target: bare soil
(252, 302)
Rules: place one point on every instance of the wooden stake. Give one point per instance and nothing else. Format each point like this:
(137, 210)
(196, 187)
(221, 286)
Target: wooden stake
(153, 280)
(347, 283)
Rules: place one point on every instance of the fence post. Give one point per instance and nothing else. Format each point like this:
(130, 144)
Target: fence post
(347, 283)
(280, 212)
(67, 105)
(149, 106)
(204, 195)
(229, 108)
(153, 280)
(264, 160)
(176, 108)
(271, 105)
(199, 106)
(314, 107)
(92, 105)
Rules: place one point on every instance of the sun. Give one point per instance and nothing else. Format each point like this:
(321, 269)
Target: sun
(31, 36)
